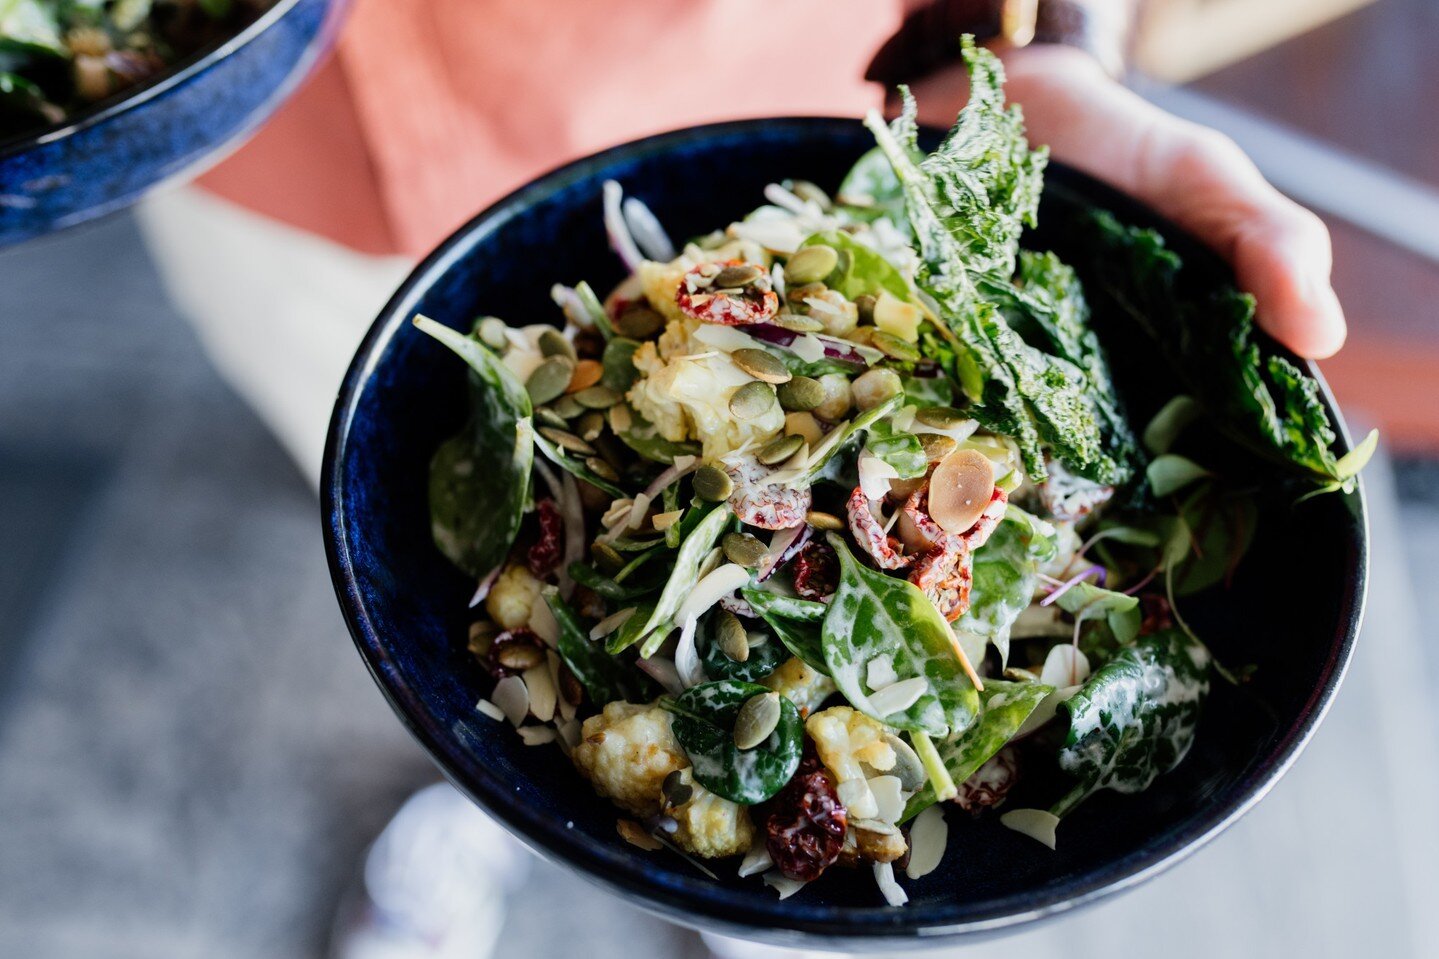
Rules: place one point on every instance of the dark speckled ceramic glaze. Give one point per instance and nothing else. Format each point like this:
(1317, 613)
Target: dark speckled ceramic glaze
(108, 157)
(406, 606)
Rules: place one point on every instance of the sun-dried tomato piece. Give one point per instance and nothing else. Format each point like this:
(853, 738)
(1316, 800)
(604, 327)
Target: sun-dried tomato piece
(990, 782)
(766, 505)
(883, 548)
(804, 831)
(815, 570)
(514, 651)
(698, 296)
(544, 556)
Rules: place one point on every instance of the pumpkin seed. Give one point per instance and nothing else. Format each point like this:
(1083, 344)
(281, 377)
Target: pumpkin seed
(597, 397)
(587, 373)
(864, 303)
(520, 656)
(549, 379)
(482, 633)
(677, 792)
(732, 277)
(615, 453)
(757, 718)
(639, 323)
(607, 556)
(553, 343)
(761, 364)
(939, 417)
(491, 331)
(547, 416)
(567, 441)
(713, 484)
(743, 549)
(798, 323)
(936, 446)
(590, 425)
(798, 294)
(731, 636)
(811, 264)
(894, 347)
(826, 521)
(777, 451)
(801, 394)
(602, 469)
(567, 407)
(752, 401)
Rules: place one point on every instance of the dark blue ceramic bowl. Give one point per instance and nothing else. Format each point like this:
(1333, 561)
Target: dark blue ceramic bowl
(107, 157)
(406, 606)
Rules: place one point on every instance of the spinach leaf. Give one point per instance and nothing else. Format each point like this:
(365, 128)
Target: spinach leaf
(605, 678)
(873, 615)
(704, 718)
(841, 434)
(591, 578)
(1265, 403)
(683, 577)
(1135, 717)
(765, 655)
(1215, 526)
(618, 362)
(631, 630)
(796, 622)
(897, 448)
(1006, 706)
(1120, 612)
(870, 190)
(861, 270)
(1006, 574)
(480, 478)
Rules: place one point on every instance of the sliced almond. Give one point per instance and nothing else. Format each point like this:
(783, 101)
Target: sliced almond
(960, 489)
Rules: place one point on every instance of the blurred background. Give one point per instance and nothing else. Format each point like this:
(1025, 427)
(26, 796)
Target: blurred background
(193, 760)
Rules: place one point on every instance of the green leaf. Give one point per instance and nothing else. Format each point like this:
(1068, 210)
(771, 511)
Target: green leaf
(704, 718)
(32, 24)
(1135, 718)
(1169, 473)
(1121, 612)
(1264, 402)
(618, 363)
(765, 654)
(901, 450)
(1164, 429)
(871, 181)
(1212, 533)
(1356, 459)
(631, 630)
(796, 622)
(591, 578)
(861, 271)
(480, 478)
(605, 678)
(683, 577)
(597, 314)
(1006, 706)
(874, 615)
(1006, 574)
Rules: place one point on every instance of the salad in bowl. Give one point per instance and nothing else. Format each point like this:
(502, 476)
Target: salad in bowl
(833, 519)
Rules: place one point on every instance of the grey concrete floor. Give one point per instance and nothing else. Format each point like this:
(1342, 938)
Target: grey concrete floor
(191, 755)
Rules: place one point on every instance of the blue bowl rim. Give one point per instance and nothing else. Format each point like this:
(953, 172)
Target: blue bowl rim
(777, 921)
(132, 98)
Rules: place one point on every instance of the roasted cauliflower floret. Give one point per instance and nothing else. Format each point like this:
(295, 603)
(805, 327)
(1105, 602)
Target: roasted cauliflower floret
(627, 751)
(512, 597)
(845, 738)
(711, 826)
(687, 397)
(801, 684)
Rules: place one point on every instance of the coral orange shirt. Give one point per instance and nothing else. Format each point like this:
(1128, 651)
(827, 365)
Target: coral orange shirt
(431, 109)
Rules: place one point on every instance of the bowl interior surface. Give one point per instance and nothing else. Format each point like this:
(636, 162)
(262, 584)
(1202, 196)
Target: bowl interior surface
(406, 605)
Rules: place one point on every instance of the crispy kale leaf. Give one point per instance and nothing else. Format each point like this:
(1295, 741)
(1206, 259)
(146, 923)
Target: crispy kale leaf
(967, 204)
(1263, 401)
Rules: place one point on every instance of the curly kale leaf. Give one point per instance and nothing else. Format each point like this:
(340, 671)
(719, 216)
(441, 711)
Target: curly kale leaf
(1261, 400)
(967, 204)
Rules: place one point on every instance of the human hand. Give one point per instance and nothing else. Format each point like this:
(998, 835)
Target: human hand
(1194, 176)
